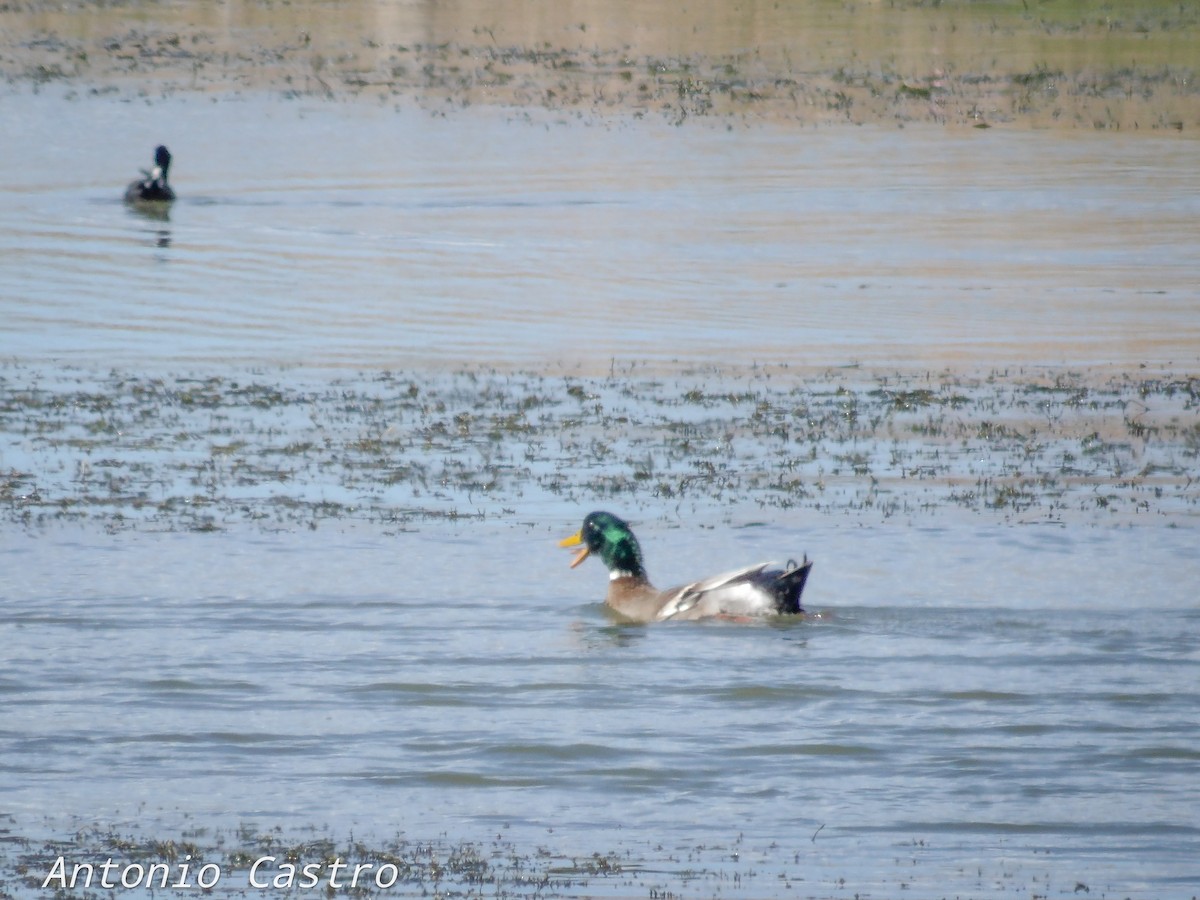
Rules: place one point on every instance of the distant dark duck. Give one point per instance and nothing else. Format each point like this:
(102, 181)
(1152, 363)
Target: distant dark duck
(153, 187)
(765, 589)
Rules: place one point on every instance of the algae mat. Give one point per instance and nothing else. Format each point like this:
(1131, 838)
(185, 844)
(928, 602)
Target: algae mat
(1122, 66)
(399, 449)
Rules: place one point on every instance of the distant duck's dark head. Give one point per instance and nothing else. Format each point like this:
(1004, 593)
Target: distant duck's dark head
(162, 159)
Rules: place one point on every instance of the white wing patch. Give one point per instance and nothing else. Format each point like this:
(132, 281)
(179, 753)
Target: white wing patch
(735, 593)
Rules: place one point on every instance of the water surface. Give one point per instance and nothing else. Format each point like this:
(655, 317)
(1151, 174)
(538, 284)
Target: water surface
(947, 711)
(338, 235)
(274, 569)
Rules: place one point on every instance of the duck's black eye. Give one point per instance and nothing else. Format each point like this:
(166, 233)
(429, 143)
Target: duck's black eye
(592, 536)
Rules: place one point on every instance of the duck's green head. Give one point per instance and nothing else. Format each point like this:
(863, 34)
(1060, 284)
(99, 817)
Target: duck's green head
(611, 539)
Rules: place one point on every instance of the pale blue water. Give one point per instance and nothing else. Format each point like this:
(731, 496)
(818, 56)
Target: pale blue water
(462, 682)
(986, 706)
(1025, 714)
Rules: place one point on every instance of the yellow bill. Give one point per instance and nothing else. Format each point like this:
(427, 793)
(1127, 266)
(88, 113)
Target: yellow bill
(575, 540)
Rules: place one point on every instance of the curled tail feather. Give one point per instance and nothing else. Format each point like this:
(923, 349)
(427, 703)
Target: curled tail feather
(790, 585)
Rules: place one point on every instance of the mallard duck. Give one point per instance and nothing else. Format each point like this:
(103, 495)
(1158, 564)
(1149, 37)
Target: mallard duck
(153, 187)
(761, 590)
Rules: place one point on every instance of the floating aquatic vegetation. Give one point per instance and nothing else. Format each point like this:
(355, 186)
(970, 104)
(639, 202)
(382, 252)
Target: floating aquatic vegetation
(1110, 72)
(393, 448)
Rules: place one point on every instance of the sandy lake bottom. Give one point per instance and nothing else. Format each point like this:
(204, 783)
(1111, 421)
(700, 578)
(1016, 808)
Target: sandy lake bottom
(282, 472)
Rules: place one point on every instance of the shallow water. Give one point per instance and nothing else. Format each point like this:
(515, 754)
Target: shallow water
(367, 686)
(335, 234)
(994, 697)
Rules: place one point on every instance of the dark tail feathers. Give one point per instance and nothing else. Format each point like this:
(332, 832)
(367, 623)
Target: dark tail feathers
(789, 585)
